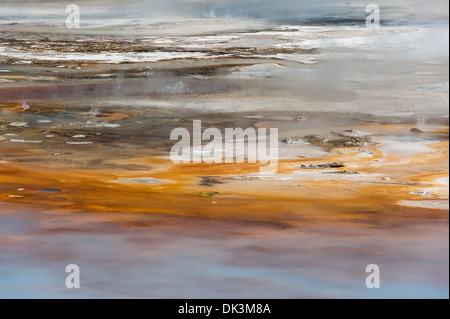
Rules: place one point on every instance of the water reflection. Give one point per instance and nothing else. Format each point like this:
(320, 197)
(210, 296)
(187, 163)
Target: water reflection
(150, 256)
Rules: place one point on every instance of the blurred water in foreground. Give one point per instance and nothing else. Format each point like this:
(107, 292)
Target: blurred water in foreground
(144, 68)
(213, 259)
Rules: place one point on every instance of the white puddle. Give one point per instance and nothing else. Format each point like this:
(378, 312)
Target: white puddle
(18, 124)
(405, 145)
(328, 174)
(433, 204)
(442, 181)
(23, 141)
(365, 155)
(79, 143)
(101, 124)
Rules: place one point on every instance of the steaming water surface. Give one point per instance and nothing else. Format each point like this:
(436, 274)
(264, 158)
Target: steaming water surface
(85, 176)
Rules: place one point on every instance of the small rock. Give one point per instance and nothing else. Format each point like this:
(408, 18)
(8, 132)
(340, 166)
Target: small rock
(416, 130)
(292, 140)
(386, 179)
(23, 141)
(350, 133)
(322, 166)
(343, 172)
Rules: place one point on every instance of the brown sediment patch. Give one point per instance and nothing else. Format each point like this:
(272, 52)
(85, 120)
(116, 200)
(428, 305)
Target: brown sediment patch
(204, 70)
(371, 201)
(92, 191)
(436, 162)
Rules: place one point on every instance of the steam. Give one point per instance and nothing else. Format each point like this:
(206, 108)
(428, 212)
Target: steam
(420, 122)
(23, 103)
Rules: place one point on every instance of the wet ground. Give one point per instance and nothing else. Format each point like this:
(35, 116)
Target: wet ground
(86, 178)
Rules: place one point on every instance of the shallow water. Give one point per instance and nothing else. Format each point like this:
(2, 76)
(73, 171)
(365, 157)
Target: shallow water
(86, 177)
